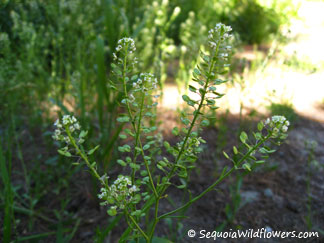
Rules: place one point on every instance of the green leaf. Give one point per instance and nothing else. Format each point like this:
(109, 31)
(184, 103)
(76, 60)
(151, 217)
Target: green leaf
(243, 137)
(112, 211)
(64, 153)
(202, 91)
(175, 131)
(136, 213)
(181, 186)
(257, 135)
(123, 119)
(93, 150)
(185, 121)
(121, 162)
(136, 198)
(260, 126)
(83, 134)
(162, 163)
(205, 58)
(226, 155)
(204, 123)
(192, 88)
(122, 136)
(146, 147)
(265, 151)
(160, 167)
(134, 166)
(247, 166)
(143, 173)
(196, 71)
(271, 151)
(260, 161)
(235, 150)
(127, 148)
(210, 102)
(166, 144)
(185, 98)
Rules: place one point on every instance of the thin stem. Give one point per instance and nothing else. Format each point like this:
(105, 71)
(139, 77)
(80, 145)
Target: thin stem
(211, 187)
(196, 115)
(156, 219)
(81, 153)
(137, 136)
(137, 226)
(137, 131)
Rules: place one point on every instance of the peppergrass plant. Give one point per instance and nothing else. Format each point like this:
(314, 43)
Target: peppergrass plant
(148, 174)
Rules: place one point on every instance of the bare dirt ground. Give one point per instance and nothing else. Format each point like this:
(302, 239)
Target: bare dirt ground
(273, 197)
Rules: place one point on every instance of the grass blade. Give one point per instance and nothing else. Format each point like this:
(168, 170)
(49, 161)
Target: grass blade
(8, 212)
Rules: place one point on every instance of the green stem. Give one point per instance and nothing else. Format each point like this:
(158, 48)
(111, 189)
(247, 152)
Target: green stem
(192, 123)
(156, 219)
(137, 131)
(81, 153)
(212, 186)
(137, 226)
(137, 136)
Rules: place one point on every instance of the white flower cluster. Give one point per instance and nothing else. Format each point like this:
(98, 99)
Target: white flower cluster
(145, 82)
(125, 46)
(192, 145)
(217, 37)
(129, 43)
(67, 122)
(119, 193)
(278, 125)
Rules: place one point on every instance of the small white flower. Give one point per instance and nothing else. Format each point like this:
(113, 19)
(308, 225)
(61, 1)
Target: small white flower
(57, 122)
(66, 119)
(131, 98)
(67, 139)
(71, 128)
(57, 132)
(284, 128)
(77, 126)
(118, 48)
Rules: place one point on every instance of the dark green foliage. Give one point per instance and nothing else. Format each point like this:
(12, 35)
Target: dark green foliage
(284, 109)
(254, 23)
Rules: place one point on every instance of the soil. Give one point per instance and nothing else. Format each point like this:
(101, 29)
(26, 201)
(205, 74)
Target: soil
(273, 197)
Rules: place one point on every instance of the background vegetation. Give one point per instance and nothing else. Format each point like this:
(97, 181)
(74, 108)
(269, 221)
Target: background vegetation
(55, 59)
